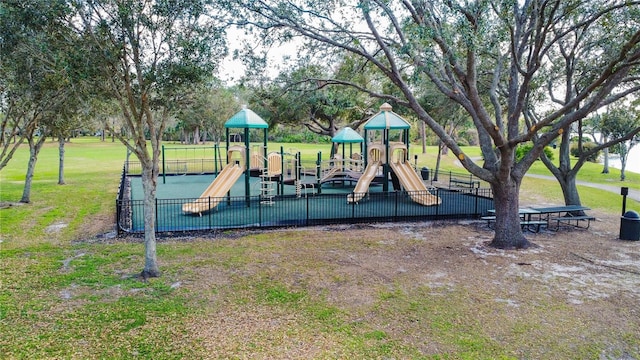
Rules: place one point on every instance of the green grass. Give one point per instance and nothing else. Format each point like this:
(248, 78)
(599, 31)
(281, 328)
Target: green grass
(92, 171)
(83, 300)
(592, 172)
(66, 294)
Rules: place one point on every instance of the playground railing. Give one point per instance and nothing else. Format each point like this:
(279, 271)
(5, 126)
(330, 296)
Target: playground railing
(237, 212)
(453, 179)
(178, 167)
(191, 166)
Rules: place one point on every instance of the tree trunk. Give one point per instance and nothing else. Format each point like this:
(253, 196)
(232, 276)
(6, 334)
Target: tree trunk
(437, 169)
(508, 232)
(423, 135)
(61, 160)
(570, 190)
(34, 150)
(605, 168)
(196, 136)
(445, 150)
(149, 186)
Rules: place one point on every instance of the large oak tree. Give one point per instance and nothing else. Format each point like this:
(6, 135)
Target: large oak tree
(472, 51)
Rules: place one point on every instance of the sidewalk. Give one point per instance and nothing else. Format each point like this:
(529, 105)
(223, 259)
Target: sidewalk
(633, 193)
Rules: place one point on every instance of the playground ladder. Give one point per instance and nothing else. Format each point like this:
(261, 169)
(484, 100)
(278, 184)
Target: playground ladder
(267, 187)
(299, 188)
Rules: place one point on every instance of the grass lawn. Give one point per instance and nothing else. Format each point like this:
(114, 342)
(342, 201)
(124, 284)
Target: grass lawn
(429, 291)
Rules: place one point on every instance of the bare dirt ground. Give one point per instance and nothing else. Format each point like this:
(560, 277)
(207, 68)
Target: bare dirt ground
(575, 295)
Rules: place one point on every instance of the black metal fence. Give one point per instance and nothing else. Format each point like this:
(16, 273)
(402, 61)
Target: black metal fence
(242, 212)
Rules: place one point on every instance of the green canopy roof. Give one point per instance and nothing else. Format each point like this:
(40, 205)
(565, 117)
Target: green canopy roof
(386, 119)
(246, 119)
(347, 135)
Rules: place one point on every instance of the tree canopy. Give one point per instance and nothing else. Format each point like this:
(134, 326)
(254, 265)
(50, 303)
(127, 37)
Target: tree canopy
(300, 96)
(148, 56)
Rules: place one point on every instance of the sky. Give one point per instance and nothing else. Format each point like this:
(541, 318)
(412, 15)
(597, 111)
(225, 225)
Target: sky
(231, 70)
(633, 161)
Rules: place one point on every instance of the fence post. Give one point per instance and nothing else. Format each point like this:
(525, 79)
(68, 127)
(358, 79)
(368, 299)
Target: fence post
(156, 211)
(353, 207)
(438, 207)
(319, 172)
(164, 177)
(118, 209)
(307, 203)
(476, 204)
(395, 211)
(259, 210)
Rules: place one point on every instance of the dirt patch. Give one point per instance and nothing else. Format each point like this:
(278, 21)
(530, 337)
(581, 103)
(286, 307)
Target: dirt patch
(55, 227)
(577, 287)
(102, 226)
(6, 204)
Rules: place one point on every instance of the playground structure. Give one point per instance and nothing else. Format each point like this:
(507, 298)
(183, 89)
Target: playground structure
(383, 160)
(216, 191)
(376, 158)
(340, 167)
(409, 179)
(397, 166)
(273, 167)
(288, 209)
(280, 189)
(246, 119)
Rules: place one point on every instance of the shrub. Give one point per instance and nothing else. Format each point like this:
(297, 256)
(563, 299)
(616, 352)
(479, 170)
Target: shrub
(522, 150)
(470, 135)
(586, 146)
(297, 135)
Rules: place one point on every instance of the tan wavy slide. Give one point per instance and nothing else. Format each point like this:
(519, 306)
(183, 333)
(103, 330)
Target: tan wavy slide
(412, 183)
(212, 196)
(363, 183)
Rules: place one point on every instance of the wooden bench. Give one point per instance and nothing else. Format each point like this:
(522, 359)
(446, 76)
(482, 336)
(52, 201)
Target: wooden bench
(489, 220)
(568, 220)
(533, 224)
(465, 182)
(525, 224)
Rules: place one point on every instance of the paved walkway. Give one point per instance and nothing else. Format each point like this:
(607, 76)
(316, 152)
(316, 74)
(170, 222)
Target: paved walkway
(633, 193)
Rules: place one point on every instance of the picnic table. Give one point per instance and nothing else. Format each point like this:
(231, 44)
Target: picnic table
(565, 215)
(546, 215)
(526, 221)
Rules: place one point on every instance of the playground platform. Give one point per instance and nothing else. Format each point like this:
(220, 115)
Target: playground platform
(290, 207)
